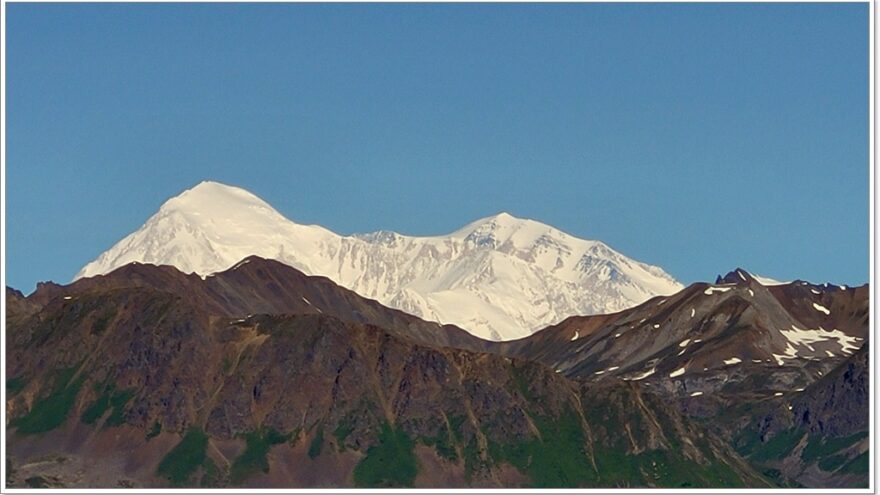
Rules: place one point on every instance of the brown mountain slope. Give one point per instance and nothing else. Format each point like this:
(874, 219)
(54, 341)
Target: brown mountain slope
(727, 338)
(135, 386)
(256, 285)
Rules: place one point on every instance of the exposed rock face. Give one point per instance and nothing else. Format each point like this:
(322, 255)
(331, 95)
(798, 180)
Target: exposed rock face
(817, 437)
(835, 405)
(728, 338)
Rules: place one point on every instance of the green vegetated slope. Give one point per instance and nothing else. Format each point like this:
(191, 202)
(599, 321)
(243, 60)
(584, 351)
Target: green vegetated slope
(185, 458)
(52, 407)
(830, 455)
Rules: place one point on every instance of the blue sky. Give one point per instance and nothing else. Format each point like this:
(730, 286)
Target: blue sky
(698, 137)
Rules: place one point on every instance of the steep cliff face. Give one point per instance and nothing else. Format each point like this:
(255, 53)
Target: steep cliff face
(818, 437)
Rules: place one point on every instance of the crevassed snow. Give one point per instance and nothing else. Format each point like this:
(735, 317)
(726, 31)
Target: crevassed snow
(821, 308)
(499, 277)
(677, 372)
(733, 360)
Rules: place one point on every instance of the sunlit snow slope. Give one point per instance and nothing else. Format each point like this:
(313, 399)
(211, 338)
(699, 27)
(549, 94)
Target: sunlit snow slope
(500, 277)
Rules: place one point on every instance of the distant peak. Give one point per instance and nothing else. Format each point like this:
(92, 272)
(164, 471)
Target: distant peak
(209, 196)
(505, 218)
(501, 220)
(212, 188)
(210, 183)
(503, 215)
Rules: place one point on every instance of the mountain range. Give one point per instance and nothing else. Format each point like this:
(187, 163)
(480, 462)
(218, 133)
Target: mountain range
(263, 376)
(499, 277)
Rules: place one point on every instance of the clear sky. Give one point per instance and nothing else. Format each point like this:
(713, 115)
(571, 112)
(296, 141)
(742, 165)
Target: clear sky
(696, 137)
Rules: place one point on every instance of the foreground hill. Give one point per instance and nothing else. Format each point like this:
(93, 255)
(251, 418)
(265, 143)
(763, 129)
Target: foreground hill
(139, 387)
(263, 376)
(256, 285)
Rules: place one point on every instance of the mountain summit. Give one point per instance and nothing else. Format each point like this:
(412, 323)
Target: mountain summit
(500, 277)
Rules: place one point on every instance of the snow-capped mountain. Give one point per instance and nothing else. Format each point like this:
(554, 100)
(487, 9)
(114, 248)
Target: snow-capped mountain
(500, 277)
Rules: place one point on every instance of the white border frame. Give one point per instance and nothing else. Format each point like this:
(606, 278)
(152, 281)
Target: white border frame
(872, 294)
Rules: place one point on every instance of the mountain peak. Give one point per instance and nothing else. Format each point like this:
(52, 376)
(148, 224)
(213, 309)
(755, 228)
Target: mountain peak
(209, 196)
(503, 216)
(740, 276)
(737, 276)
(502, 226)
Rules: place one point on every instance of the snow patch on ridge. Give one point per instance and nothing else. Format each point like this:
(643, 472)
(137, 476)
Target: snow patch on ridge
(800, 337)
(642, 376)
(821, 308)
(712, 290)
(767, 281)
